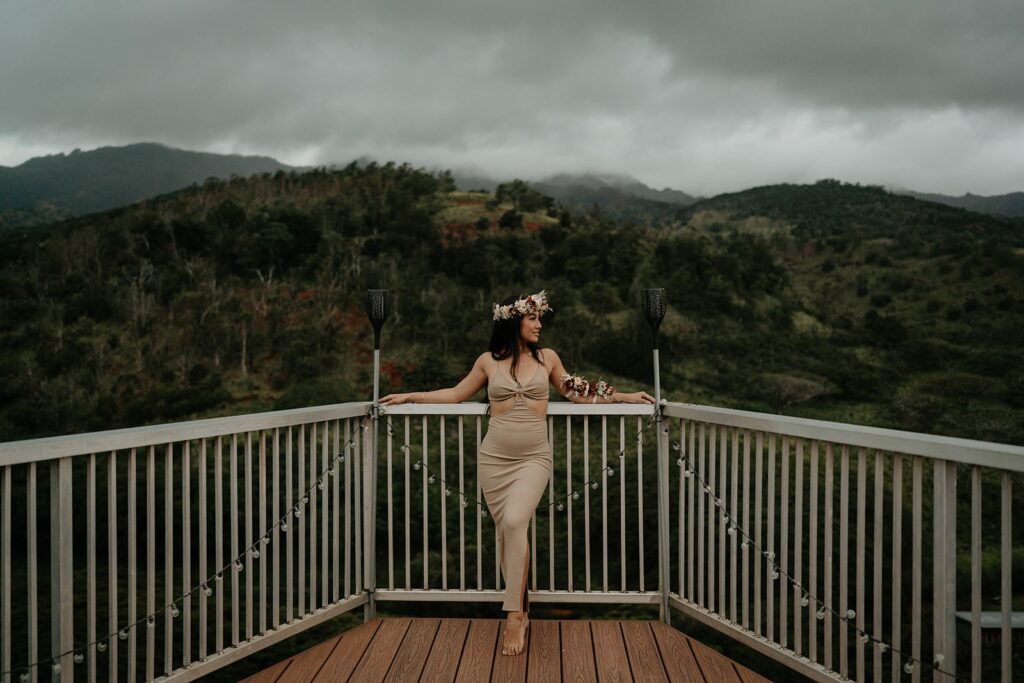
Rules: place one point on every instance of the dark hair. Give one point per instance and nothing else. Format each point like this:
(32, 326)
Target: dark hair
(505, 338)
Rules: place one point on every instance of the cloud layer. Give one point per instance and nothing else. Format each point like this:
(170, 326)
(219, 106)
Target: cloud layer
(705, 97)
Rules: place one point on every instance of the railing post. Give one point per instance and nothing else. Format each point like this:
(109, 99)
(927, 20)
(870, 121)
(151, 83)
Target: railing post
(377, 308)
(944, 566)
(62, 614)
(653, 305)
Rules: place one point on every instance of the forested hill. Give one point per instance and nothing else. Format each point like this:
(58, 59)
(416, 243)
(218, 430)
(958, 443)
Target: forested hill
(48, 188)
(1011, 204)
(832, 301)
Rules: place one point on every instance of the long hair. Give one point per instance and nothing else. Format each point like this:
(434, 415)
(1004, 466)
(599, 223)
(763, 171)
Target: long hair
(505, 338)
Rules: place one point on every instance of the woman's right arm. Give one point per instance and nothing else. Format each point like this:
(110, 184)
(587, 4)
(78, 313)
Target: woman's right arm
(470, 384)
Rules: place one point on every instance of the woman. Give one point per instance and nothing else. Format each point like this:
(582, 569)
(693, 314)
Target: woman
(515, 456)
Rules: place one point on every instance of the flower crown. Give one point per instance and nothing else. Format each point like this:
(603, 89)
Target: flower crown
(535, 303)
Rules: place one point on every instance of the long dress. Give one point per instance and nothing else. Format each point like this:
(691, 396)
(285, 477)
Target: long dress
(514, 466)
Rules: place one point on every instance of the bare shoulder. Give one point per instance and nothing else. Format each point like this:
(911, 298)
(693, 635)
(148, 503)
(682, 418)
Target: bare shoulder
(550, 354)
(483, 361)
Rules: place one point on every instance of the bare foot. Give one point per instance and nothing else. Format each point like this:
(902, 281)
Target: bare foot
(515, 633)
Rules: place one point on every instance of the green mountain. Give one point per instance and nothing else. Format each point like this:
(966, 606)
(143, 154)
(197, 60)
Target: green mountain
(48, 188)
(1011, 204)
(830, 300)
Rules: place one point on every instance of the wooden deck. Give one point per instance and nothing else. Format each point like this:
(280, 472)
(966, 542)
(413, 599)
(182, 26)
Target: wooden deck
(470, 650)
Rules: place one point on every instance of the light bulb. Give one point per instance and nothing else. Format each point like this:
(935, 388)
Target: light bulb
(431, 479)
(559, 506)
(284, 527)
(593, 485)
(483, 512)
(679, 462)
(207, 590)
(56, 667)
(416, 465)
(123, 634)
(239, 566)
(775, 574)
(804, 601)
(882, 647)
(821, 613)
(150, 621)
(298, 512)
(320, 484)
(79, 658)
(25, 677)
(611, 472)
(174, 611)
(850, 614)
(575, 495)
(101, 646)
(908, 667)
(255, 553)
(305, 499)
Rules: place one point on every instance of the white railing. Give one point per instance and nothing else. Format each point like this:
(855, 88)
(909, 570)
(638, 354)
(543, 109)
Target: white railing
(847, 515)
(145, 526)
(139, 519)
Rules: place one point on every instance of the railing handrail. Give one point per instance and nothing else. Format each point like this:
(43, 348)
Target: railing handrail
(54, 447)
(554, 409)
(954, 449)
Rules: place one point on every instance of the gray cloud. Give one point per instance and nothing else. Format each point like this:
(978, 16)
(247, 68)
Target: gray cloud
(705, 97)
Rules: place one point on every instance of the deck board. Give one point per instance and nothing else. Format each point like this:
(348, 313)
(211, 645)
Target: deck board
(577, 652)
(345, 657)
(714, 665)
(443, 660)
(644, 658)
(378, 656)
(509, 669)
(610, 652)
(412, 654)
(478, 652)
(676, 654)
(405, 649)
(544, 652)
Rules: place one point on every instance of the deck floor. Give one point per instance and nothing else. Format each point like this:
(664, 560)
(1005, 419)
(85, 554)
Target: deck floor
(401, 649)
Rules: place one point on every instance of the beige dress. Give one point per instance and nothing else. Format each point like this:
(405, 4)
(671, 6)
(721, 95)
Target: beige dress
(514, 466)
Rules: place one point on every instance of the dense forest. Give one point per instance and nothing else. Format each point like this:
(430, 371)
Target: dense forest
(829, 300)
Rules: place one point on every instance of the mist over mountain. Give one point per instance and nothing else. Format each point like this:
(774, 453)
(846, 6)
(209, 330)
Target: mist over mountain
(58, 186)
(1011, 204)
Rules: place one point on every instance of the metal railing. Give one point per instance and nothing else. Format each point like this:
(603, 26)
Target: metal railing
(149, 522)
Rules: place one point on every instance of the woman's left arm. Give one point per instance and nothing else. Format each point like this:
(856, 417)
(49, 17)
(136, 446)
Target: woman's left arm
(558, 371)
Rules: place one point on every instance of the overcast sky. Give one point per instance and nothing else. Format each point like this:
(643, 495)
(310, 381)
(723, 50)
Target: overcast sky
(704, 97)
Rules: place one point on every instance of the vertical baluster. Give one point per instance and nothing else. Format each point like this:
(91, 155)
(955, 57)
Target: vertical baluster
(462, 520)
(168, 557)
(975, 573)
(300, 597)
(622, 501)
(723, 488)
(844, 560)
(944, 562)
(111, 567)
(150, 561)
(897, 562)
(203, 617)
(798, 544)
(604, 504)
(186, 554)
(132, 567)
(829, 494)
(408, 497)
(586, 501)
(770, 543)
(336, 506)
(701, 519)
(692, 520)
(784, 544)
(1006, 570)
(476, 513)
(391, 522)
(90, 564)
(551, 509)
(275, 538)
(861, 546)
(426, 463)
(712, 516)
(348, 507)
(61, 561)
(444, 511)
(261, 493)
(812, 557)
(325, 513)
(746, 525)
(640, 496)
(218, 541)
(680, 504)
(292, 524)
(249, 534)
(568, 489)
(357, 483)
(311, 509)
(5, 572)
(758, 560)
(915, 579)
(733, 515)
(233, 538)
